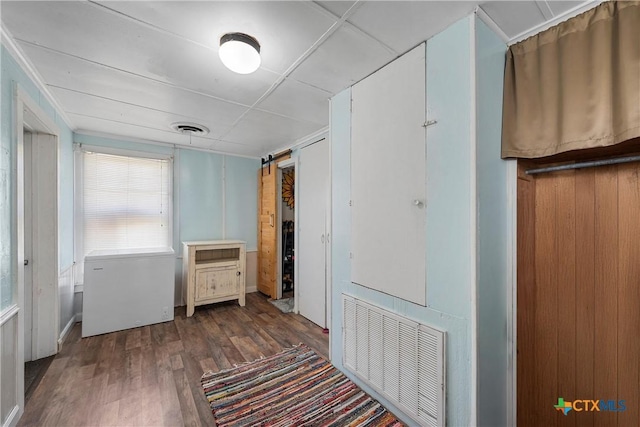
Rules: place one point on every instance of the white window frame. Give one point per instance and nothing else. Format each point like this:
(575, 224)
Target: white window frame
(78, 191)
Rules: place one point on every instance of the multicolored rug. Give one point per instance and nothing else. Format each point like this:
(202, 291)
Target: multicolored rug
(293, 388)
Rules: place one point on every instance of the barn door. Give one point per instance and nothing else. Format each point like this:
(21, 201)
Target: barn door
(579, 297)
(267, 229)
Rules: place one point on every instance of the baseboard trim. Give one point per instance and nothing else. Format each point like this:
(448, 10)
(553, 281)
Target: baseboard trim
(66, 331)
(250, 289)
(12, 418)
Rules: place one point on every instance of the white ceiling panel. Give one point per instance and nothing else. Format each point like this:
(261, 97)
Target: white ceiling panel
(402, 28)
(285, 30)
(336, 7)
(100, 126)
(82, 104)
(559, 7)
(72, 73)
(91, 32)
(269, 131)
(131, 68)
(345, 58)
(299, 101)
(514, 17)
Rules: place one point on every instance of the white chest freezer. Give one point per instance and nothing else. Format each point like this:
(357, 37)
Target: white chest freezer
(127, 288)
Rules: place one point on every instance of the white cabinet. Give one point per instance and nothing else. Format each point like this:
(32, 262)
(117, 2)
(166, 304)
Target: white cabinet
(213, 271)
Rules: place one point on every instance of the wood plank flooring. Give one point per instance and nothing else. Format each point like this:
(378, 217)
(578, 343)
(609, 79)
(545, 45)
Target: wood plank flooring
(150, 376)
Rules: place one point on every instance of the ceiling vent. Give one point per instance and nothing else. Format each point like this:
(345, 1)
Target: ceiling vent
(190, 128)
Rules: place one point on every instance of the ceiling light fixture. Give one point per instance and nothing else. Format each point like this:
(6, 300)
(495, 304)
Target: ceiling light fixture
(240, 53)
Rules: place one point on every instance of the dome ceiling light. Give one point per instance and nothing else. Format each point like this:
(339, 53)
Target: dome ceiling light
(240, 53)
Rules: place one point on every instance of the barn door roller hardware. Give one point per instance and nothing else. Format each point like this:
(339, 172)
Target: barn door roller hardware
(582, 165)
(271, 158)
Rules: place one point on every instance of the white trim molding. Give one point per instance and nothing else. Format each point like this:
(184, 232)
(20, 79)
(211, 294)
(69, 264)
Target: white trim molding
(12, 418)
(512, 289)
(16, 52)
(8, 313)
(473, 226)
(65, 332)
(575, 11)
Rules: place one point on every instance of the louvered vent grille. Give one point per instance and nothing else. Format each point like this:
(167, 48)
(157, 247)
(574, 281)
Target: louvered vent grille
(401, 359)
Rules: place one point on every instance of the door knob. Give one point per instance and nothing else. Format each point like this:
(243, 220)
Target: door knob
(418, 203)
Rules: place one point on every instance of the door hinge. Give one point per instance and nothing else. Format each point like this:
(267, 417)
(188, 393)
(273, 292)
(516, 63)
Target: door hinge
(350, 202)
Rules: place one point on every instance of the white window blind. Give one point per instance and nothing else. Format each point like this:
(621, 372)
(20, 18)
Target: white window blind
(126, 202)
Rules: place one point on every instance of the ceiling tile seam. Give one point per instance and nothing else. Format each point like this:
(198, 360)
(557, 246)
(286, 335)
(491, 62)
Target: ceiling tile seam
(164, 30)
(372, 38)
(16, 52)
(323, 38)
(312, 86)
(329, 94)
(162, 82)
(320, 8)
(128, 103)
(90, 132)
(544, 9)
(352, 25)
(285, 116)
(153, 128)
(149, 25)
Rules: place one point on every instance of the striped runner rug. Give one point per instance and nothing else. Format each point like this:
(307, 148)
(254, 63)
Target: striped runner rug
(295, 387)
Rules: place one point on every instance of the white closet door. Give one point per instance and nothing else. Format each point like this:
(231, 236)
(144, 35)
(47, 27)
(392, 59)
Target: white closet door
(388, 179)
(313, 193)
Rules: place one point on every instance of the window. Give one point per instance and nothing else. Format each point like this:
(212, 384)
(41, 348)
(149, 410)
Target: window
(125, 202)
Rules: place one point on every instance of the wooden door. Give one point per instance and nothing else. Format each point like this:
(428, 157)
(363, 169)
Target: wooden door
(267, 239)
(579, 296)
(313, 214)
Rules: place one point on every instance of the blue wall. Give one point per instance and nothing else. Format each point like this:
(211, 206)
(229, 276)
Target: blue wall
(449, 214)
(201, 179)
(215, 195)
(10, 74)
(493, 231)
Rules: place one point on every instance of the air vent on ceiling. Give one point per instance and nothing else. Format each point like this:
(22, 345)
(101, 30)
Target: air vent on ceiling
(190, 128)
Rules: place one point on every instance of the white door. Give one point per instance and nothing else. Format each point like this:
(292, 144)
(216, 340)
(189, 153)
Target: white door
(313, 218)
(28, 248)
(43, 264)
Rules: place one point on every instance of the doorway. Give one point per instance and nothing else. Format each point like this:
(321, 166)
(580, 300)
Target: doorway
(42, 137)
(578, 295)
(287, 239)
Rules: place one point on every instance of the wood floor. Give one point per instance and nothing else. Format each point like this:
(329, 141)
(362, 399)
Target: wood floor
(151, 375)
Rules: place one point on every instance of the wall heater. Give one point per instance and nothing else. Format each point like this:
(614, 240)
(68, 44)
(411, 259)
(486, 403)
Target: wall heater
(401, 359)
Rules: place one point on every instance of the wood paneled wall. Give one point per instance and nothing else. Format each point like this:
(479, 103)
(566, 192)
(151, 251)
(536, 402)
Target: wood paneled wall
(579, 294)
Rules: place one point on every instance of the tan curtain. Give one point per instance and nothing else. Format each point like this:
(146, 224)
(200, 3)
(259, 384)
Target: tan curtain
(574, 86)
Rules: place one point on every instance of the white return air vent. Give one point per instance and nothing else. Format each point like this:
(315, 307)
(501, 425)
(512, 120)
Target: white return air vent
(402, 360)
